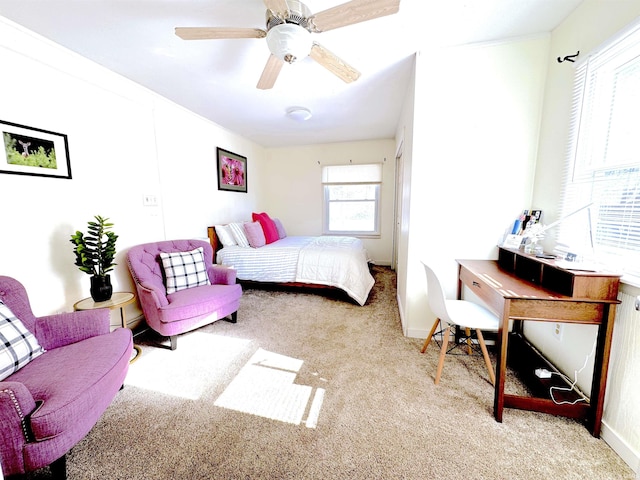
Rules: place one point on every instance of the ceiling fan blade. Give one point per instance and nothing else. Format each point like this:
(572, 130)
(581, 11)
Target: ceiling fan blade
(355, 11)
(277, 6)
(333, 63)
(270, 73)
(214, 33)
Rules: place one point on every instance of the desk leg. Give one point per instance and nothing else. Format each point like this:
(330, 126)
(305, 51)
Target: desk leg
(600, 369)
(501, 364)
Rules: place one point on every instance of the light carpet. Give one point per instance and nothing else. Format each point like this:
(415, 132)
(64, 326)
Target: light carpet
(312, 386)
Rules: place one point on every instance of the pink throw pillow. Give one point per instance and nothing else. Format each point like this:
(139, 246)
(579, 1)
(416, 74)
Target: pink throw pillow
(281, 231)
(268, 227)
(255, 235)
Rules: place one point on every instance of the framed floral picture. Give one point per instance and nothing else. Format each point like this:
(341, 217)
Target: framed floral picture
(232, 171)
(33, 151)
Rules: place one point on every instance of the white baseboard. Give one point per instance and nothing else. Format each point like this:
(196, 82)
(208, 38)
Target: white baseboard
(622, 448)
(380, 263)
(417, 333)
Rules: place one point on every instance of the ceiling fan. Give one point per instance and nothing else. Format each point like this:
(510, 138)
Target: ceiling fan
(290, 24)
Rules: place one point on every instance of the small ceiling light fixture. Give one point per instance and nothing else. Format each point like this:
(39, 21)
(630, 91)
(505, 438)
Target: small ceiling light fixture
(299, 114)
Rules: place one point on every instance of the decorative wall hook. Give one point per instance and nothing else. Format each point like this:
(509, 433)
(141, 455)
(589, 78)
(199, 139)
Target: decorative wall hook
(569, 58)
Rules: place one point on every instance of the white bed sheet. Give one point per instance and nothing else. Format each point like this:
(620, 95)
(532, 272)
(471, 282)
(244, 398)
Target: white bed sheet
(340, 262)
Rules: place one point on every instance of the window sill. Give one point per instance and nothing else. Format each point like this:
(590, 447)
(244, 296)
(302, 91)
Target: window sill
(353, 234)
(630, 285)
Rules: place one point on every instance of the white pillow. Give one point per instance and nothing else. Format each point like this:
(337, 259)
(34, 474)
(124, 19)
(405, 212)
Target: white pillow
(225, 235)
(184, 270)
(238, 234)
(18, 346)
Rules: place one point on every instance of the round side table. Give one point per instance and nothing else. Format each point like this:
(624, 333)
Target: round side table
(118, 300)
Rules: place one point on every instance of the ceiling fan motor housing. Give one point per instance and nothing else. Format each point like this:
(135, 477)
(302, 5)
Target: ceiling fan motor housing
(297, 14)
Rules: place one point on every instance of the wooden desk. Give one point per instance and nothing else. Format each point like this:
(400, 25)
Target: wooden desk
(511, 297)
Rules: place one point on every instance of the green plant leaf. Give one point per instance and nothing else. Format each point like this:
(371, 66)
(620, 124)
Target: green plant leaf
(95, 252)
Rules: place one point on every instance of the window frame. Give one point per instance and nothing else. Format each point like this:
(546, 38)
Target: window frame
(326, 203)
(592, 162)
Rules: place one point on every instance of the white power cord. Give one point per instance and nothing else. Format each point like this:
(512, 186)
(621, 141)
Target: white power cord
(575, 381)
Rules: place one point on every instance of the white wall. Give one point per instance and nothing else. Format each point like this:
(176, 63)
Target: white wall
(591, 24)
(404, 145)
(293, 187)
(187, 165)
(471, 159)
(124, 142)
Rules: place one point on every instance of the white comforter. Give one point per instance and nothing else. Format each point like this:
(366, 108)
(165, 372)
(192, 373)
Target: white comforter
(335, 261)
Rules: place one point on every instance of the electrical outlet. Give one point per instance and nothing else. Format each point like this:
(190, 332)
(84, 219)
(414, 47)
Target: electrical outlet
(558, 329)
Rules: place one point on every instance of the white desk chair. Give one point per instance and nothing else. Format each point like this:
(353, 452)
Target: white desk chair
(462, 313)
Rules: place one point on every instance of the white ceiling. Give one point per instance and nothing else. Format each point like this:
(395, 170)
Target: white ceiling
(217, 78)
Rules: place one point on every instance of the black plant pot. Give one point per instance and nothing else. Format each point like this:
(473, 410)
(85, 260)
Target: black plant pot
(101, 289)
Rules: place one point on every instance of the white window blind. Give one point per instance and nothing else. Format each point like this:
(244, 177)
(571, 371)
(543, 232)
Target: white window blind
(366, 173)
(603, 166)
(352, 199)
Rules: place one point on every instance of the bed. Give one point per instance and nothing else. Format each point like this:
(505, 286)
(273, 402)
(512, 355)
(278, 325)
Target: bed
(326, 261)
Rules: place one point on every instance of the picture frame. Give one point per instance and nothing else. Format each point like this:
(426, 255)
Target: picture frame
(513, 241)
(232, 171)
(34, 151)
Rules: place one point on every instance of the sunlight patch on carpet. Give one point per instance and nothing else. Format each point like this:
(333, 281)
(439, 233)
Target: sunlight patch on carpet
(200, 361)
(265, 387)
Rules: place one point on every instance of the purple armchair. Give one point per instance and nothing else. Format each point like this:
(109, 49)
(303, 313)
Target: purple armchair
(187, 309)
(51, 403)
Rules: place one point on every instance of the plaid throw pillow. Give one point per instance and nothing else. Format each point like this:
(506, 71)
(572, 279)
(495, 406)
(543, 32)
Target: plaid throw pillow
(184, 270)
(18, 346)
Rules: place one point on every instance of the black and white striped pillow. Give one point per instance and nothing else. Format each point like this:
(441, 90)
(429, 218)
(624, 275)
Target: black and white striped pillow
(18, 346)
(184, 270)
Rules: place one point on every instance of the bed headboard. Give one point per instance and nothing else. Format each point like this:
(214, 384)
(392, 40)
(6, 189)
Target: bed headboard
(213, 240)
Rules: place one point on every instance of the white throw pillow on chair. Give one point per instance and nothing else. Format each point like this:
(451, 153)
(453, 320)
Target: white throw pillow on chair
(184, 270)
(18, 346)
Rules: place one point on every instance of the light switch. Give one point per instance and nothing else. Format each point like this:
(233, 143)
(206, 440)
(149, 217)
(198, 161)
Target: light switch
(149, 200)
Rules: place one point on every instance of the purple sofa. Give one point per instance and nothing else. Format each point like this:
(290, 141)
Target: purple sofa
(187, 309)
(50, 404)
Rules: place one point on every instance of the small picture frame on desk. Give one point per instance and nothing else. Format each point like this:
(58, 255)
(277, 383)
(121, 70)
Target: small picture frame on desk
(512, 241)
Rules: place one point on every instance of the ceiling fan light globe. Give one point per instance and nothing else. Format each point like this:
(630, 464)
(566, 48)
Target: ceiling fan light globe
(289, 42)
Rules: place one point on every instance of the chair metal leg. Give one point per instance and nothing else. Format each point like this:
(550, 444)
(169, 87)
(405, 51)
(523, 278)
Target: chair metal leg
(487, 360)
(443, 353)
(467, 332)
(430, 336)
(173, 340)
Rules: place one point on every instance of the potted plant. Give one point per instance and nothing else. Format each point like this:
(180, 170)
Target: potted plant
(94, 256)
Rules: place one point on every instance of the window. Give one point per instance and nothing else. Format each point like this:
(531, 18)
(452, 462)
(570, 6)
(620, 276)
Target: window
(352, 199)
(603, 168)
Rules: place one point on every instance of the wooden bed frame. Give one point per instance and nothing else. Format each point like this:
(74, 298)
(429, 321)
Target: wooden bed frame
(215, 243)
